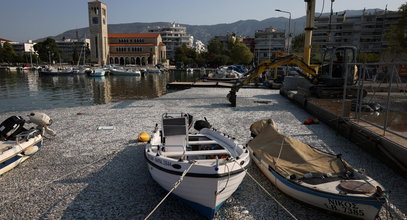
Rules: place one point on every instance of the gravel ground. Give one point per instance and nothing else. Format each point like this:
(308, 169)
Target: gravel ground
(85, 173)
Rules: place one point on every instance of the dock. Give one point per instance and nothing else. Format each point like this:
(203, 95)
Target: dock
(187, 85)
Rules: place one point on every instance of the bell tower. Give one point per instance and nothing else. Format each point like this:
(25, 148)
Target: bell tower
(99, 48)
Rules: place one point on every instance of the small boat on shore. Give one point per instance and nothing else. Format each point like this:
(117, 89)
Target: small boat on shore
(212, 163)
(314, 177)
(119, 72)
(17, 144)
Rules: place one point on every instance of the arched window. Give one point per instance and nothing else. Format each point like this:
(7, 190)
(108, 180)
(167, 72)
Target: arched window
(116, 60)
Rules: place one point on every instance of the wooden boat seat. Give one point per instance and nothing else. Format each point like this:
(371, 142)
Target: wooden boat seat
(356, 187)
(202, 142)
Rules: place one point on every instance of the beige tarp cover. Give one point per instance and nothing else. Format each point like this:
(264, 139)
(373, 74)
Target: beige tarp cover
(295, 157)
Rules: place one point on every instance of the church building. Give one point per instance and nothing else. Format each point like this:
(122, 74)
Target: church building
(121, 48)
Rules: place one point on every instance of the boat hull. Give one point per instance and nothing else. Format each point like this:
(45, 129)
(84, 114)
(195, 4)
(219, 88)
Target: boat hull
(124, 73)
(97, 74)
(355, 206)
(18, 157)
(198, 190)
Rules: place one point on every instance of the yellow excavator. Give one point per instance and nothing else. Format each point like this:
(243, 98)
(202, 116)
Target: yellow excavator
(328, 79)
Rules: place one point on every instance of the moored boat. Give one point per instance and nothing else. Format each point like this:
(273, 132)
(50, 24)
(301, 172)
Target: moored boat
(153, 71)
(97, 72)
(57, 72)
(123, 72)
(17, 144)
(213, 163)
(314, 177)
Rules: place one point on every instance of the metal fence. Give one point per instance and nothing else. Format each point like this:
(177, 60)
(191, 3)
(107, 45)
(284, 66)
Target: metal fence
(381, 97)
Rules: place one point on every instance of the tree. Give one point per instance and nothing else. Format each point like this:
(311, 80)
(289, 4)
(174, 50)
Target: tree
(239, 53)
(185, 55)
(215, 47)
(298, 43)
(236, 52)
(47, 50)
(7, 53)
(397, 35)
(368, 57)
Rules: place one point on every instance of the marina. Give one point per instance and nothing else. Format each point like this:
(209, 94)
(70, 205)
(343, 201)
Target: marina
(103, 173)
(245, 120)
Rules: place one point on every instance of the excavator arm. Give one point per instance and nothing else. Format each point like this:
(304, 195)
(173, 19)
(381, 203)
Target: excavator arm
(308, 72)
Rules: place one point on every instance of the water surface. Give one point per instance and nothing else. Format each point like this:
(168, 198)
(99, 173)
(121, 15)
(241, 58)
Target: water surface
(26, 90)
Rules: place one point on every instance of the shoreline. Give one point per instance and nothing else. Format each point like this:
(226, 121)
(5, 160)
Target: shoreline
(88, 173)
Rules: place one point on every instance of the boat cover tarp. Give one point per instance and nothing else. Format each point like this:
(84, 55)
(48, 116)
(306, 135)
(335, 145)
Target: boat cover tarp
(289, 156)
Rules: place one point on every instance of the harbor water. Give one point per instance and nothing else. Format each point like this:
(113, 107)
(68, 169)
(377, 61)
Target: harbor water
(26, 90)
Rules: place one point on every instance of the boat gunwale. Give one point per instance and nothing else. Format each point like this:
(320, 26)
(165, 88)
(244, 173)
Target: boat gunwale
(201, 175)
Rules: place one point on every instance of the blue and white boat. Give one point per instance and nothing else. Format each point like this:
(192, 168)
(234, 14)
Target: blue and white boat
(98, 72)
(17, 144)
(213, 163)
(314, 177)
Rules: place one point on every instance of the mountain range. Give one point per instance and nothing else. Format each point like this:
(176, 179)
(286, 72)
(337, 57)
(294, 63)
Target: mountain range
(204, 33)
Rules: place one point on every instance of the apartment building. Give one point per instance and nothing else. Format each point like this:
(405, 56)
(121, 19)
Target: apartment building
(367, 31)
(267, 42)
(173, 37)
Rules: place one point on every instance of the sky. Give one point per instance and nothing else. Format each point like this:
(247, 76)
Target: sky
(22, 20)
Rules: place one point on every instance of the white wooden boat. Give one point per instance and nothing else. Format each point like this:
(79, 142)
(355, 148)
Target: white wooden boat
(125, 72)
(312, 176)
(17, 143)
(217, 162)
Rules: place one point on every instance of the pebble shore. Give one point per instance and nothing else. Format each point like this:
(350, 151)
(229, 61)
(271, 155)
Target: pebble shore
(85, 173)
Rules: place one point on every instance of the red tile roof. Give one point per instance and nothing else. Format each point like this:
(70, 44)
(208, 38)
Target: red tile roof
(93, 1)
(139, 35)
(2, 39)
(131, 44)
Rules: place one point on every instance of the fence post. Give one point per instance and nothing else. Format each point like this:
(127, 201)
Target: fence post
(344, 89)
(388, 101)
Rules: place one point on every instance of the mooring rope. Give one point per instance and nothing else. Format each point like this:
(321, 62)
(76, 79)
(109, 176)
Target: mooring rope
(281, 205)
(176, 184)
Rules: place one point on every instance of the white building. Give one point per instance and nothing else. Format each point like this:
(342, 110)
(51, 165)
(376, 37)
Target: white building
(367, 31)
(267, 43)
(69, 48)
(22, 48)
(200, 47)
(173, 37)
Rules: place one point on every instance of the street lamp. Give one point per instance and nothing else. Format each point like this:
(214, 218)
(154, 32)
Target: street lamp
(289, 28)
